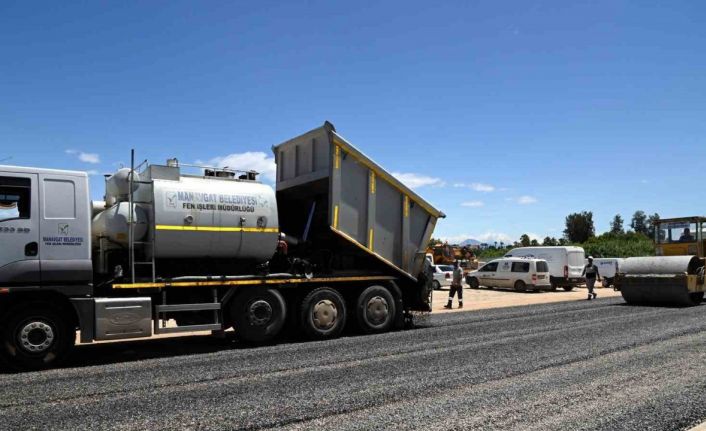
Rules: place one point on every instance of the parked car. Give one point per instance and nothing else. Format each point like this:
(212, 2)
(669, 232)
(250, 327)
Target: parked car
(443, 275)
(565, 263)
(607, 268)
(519, 273)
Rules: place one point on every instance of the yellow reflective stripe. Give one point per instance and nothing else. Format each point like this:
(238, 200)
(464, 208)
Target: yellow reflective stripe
(335, 217)
(337, 158)
(217, 228)
(406, 206)
(253, 282)
(370, 240)
(372, 182)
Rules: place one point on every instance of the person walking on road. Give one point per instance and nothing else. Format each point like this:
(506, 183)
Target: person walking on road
(590, 271)
(456, 286)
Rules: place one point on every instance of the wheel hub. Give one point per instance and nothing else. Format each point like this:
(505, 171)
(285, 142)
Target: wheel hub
(377, 310)
(36, 337)
(325, 314)
(259, 312)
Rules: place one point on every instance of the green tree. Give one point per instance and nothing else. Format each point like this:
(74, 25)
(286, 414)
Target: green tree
(563, 241)
(651, 225)
(534, 243)
(525, 240)
(616, 226)
(549, 241)
(579, 227)
(639, 222)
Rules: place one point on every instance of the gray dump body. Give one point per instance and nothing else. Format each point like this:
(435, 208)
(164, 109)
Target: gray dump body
(325, 183)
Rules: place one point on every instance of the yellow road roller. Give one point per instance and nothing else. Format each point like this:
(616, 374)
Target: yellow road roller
(676, 274)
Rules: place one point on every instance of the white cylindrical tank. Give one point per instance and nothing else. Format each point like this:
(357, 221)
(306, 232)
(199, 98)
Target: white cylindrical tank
(117, 186)
(215, 217)
(112, 223)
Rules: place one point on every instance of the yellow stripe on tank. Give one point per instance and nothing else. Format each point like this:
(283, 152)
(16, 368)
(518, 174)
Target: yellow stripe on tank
(217, 228)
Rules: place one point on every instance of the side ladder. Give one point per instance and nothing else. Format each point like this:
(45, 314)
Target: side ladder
(146, 246)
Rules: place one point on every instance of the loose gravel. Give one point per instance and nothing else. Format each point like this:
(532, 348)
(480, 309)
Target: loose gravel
(583, 365)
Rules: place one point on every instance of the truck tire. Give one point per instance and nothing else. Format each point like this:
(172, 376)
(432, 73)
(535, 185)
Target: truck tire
(568, 288)
(376, 310)
(258, 315)
(436, 285)
(35, 336)
(473, 283)
(323, 314)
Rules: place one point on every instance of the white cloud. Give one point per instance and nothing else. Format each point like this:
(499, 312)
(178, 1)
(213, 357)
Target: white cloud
(414, 181)
(472, 204)
(92, 172)
(85, 157)
(526, 200)
(479, 187)
(248, 161)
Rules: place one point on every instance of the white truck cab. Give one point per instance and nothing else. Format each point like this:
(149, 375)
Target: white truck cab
(44, 228)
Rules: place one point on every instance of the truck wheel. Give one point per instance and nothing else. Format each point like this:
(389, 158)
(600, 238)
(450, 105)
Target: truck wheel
(552, 288)
(258, 315)
(473, 282)
(520, 286)
(376, 310)
(568, 288)
(35, 336)
(436, 285)
(323, 314)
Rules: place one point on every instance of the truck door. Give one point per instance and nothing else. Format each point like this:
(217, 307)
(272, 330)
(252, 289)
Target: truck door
(64, 223)
(19, 228)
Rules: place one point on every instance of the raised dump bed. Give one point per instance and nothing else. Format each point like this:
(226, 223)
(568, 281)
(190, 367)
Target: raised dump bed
(335, 198)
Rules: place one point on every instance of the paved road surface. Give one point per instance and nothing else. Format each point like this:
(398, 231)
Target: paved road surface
(575, 365)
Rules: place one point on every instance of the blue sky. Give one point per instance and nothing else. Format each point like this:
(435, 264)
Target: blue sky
(506, 115)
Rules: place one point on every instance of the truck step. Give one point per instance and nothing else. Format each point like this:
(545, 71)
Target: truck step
(189, 328)
(187, 307)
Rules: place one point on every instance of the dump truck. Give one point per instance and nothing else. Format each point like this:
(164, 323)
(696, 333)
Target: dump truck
(337, 241)
(676, 274)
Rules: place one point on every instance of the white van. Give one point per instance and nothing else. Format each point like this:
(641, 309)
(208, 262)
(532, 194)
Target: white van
(607, 268)
(519, 273)
(565, 263)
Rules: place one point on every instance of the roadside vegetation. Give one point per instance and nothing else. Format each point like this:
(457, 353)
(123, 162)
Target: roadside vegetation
(580, 231)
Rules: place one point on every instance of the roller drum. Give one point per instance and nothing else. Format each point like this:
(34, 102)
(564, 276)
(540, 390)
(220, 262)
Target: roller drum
(661, 280)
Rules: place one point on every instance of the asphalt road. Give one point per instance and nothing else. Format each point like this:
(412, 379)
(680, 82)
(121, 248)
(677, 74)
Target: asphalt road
(574, 365)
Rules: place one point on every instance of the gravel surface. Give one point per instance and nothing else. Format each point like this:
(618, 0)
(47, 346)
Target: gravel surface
(573, 365)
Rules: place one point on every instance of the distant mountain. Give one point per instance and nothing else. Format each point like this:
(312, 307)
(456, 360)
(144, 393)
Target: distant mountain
(470, 241)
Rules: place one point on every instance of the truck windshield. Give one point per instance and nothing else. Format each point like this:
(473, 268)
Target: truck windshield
(676, 232)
